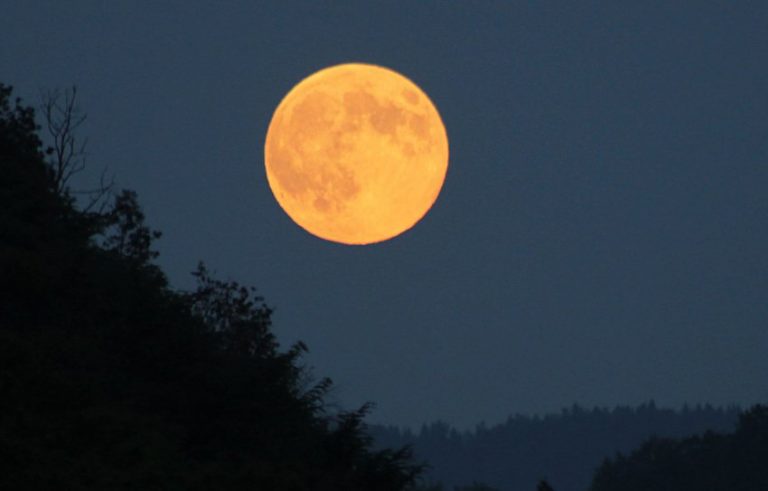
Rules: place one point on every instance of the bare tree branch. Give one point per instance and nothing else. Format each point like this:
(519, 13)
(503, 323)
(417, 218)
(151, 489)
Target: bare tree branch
(98, 195)
(62, 119)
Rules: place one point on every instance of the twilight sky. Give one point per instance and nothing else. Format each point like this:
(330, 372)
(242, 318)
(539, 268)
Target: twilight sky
(601, 236)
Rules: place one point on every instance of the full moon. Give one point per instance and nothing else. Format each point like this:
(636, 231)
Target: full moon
(356, 153)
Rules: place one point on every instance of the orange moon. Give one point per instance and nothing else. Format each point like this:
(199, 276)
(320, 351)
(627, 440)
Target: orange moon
(356, 153)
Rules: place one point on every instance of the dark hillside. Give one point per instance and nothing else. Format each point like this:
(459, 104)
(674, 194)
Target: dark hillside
(736, 461)
(564, 448)
(110, 379)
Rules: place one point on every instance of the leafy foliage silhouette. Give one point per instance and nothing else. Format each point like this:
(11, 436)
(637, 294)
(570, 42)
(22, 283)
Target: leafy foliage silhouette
(110, 379)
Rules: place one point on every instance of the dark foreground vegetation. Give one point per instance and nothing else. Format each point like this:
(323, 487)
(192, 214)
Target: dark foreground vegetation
(111, 380)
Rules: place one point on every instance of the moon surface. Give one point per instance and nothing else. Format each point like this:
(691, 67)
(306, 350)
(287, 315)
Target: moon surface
(356, 153)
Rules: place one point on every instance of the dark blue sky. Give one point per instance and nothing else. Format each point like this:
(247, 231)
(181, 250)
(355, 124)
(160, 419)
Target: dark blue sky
(601, 236)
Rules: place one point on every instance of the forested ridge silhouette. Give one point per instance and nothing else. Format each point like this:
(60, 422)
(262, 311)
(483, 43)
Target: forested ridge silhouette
(714, 461)
(564, 448)
(111, 379)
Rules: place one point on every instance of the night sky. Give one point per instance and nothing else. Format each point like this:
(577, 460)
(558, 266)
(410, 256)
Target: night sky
(601, 237)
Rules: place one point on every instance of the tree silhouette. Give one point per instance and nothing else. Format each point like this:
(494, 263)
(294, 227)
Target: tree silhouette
(67, 152)
(110, 379)
(125, 232)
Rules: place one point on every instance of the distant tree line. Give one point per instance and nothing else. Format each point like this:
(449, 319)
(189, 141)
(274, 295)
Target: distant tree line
(564, 448)
(112, 380)
(710, 461)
